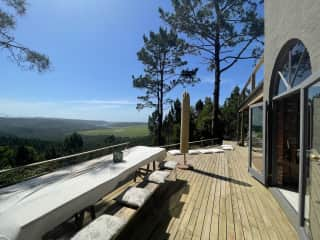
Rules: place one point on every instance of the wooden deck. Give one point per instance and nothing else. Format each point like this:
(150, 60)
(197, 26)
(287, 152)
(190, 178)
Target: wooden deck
(222, 201)
(217, 200)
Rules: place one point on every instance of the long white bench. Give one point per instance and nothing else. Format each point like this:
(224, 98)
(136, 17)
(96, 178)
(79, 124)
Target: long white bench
(30, 209)
(124, 210)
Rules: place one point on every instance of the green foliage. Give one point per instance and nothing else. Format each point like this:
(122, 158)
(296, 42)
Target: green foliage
(201, 119)
(22, 55)
(172, 123)
(153, 126)
(204, 120)
(223, 31)
(110, 140)
(229, 113)
(26, 155)
(53, 129)
(200, 122)
(6, 157)
(73, 143)
(162, 57)
(140, 130)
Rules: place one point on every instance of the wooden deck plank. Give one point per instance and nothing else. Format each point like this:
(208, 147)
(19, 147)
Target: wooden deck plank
(225, 202)
(214, 229)
(208, 221)
(187, 225)
(203, 205)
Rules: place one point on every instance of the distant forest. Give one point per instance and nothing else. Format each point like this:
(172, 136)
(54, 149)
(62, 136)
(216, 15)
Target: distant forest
(29, 140)
(25, 140)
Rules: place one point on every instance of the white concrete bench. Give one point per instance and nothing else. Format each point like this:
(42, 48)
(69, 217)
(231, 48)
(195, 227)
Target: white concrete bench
(109, 226)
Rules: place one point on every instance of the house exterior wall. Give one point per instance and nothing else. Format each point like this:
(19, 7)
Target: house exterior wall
(290, 19)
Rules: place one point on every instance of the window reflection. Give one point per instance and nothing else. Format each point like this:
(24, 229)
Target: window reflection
(256, 139)
(312, 198)
(294, 65)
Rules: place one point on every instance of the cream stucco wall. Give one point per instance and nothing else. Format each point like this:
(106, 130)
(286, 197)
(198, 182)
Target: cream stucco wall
(289, 19)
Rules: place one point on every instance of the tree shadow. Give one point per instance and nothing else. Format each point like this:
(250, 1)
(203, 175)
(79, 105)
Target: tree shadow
(220, 177)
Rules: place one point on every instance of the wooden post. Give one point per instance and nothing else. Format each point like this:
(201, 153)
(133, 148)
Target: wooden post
(253, 82)
(242, 130)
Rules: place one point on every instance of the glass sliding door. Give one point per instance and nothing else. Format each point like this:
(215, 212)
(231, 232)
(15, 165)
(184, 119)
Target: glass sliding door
(286, 142)
(256, 160)
(312, 197)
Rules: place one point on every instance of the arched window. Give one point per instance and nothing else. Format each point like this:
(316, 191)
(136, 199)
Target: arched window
(292, 67)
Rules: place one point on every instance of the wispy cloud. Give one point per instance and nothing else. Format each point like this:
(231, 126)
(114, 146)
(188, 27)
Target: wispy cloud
(110, 110)
(102, 102)
(209, 79)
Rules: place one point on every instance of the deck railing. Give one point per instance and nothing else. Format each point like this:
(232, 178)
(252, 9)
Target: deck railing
(248, 94)
(22, 173)
(18, 174)
(199, 143)
(251, 83)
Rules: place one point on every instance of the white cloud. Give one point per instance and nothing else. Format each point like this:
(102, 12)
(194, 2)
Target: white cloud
(209, 79)
(103, 102)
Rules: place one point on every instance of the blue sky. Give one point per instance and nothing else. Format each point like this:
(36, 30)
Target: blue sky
(92, 46)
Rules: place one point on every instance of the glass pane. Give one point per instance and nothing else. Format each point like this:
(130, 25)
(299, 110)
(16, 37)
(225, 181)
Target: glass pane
(312, 198)
(294, 65)
(301, 67)
(281, 88)
(286, 138)
(256, 139)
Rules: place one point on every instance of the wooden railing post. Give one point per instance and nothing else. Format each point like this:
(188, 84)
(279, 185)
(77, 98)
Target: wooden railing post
(253, 82)
(242, 130)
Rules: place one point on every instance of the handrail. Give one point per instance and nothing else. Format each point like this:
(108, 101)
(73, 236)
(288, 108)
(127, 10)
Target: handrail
(247, 97)
(193, 142)
(22, 173)
(65, 157)
(251, 81)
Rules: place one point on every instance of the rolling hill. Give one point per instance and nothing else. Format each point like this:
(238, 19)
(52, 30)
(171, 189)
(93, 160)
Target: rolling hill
(56, 129)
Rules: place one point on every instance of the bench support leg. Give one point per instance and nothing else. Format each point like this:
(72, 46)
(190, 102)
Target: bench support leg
(92, 212)
(79, 217)
(154, 165)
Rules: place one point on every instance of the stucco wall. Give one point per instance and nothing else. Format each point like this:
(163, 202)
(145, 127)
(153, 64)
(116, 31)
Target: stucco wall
(289, 19)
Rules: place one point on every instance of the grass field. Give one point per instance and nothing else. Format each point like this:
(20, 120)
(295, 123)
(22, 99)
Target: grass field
(130, 131)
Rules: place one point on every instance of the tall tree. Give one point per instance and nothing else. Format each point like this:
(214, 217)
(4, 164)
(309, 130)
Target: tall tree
(22, 55)
(203, 122)
(224, 31)
(199, 107)
(26, 155)
(162, 57)
(230, 114)
(73, 143)
(152, 126)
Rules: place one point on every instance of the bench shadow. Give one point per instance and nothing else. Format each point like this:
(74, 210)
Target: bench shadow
(152, 221)
(220, 177)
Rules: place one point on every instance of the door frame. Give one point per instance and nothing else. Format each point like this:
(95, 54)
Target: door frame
(269, 127)
(271, 137)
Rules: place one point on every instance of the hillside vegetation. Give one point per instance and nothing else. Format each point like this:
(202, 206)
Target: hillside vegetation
(130, 131)
(53, 129)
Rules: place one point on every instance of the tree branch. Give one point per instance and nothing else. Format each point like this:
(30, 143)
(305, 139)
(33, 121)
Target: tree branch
(238, 56)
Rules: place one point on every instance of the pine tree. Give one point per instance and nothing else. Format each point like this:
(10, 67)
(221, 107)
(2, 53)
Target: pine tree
(230, 114)
(223, 31)
(162, 57)
(20, 54)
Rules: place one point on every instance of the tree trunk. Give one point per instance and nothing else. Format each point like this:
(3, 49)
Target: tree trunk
(216, 95)
(217, 74)
(160, 119)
